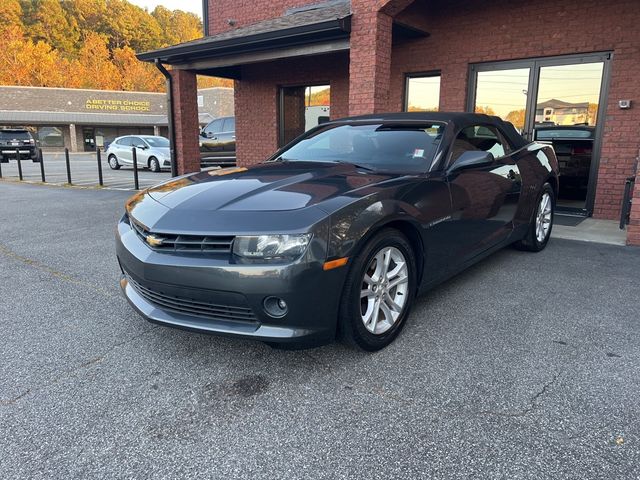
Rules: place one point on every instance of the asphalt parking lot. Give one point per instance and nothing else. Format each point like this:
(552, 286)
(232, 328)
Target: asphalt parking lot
(525, 366)
(84, 172)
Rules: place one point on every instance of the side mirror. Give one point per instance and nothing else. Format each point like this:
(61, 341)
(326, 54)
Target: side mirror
(209, 134)
(142, 147)
(472, 158)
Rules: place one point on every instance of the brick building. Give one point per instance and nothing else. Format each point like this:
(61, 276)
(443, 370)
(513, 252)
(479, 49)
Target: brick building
(505, 57)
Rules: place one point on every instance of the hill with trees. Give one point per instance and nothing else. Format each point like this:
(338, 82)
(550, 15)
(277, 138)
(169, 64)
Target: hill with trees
(89, 43)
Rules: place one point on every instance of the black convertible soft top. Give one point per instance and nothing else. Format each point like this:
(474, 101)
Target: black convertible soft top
(459, 120)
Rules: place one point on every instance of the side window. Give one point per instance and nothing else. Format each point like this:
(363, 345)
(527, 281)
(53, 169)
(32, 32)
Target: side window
(479, 137)
(214, 127)
(136, 142)
(125, 142)
(229, 125)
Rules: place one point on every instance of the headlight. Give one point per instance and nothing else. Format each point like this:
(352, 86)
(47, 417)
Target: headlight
(271, 247)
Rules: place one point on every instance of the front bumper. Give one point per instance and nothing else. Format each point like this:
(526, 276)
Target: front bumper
(312, 294)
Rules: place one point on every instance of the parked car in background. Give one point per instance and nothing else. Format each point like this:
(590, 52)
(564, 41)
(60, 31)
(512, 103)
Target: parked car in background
(573, 145)
(218, 143)
(152, 152)
(337, 233)
(17, 138)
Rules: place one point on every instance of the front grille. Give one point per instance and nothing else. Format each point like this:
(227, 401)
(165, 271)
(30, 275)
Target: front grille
(190, 306)
(184, 243)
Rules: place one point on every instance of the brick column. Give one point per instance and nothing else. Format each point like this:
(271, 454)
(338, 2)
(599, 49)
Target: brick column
(186, 125)
(370, 59)
(73, 139)
(633, 229)
(370, 54)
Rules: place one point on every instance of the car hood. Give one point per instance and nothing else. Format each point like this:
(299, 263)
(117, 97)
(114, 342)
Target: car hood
(274, 186)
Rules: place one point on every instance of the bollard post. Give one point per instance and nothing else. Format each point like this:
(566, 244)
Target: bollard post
(66, 159)
(99, 167)
(1, 167)
(19, 163)
(135, 169)
(40, 156)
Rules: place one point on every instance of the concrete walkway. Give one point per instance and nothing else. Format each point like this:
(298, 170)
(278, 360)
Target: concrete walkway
(592, 230)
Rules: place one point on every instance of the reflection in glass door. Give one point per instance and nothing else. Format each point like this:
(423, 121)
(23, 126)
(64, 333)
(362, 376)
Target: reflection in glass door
(503, 93)
(566, 115)
(558, 100)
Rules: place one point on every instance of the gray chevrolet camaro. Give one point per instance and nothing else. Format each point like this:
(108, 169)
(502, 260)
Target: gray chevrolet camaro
(336, 234)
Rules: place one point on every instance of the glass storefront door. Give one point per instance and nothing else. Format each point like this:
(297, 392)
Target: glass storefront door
(557, 100)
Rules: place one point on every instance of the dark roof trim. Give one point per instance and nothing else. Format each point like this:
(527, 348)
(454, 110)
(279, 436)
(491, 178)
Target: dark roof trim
(331, 29)
(407, 31)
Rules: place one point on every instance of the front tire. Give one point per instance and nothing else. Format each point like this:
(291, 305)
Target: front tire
(113, 162)
(379, 290)
(154, 164)
(541, 225)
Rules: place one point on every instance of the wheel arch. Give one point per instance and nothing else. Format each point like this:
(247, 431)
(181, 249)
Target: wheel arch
(410, 230)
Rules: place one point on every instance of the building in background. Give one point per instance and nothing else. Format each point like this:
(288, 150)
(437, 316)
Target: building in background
(81, 120)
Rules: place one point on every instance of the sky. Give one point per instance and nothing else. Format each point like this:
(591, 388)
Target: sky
(194, 6)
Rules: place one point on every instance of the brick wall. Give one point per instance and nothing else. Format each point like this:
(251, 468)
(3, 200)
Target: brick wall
(256, 99)
(464, 32)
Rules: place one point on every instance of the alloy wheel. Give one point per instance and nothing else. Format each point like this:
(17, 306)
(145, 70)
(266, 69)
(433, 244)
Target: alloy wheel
(384, 290)
(543, 219)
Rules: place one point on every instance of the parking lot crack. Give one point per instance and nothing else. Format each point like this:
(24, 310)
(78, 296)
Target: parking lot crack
(534, 402)
(7, 252)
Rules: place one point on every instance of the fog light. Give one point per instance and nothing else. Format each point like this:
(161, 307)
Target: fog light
(275, 307)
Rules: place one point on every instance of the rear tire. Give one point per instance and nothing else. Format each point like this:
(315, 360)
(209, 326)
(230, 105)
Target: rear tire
(378, 292)
(541, 225)
(113, 162)
(154, 164)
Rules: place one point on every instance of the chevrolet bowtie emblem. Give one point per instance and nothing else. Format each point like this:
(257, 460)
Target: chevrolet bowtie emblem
(154, 241)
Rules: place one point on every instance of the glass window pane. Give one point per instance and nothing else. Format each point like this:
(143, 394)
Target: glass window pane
(50, 137)
(503, 93)
(423, 94)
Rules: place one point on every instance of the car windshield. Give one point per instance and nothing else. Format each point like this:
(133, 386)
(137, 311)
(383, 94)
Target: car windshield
(160, 142)
(392, 147)
(13, 134)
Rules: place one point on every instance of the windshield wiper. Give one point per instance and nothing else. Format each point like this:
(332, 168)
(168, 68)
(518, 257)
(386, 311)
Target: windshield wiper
(357, 165)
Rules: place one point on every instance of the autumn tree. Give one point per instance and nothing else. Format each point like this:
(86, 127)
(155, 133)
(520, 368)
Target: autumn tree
(487, 110)
(177, 26)
(48, 22)
(517, 118)
(10, 15)
(96, 69)
(136, 75)
(89, 43)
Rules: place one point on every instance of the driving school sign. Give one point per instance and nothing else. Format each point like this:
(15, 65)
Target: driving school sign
(117, 105)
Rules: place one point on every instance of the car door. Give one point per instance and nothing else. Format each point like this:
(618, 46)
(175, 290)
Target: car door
(124, 151)
(484, 197)
(228, 137)
(210, 143)
(142, 151)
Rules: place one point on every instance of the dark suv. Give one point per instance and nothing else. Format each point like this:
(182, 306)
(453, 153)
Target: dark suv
(17, 138)
(218, 143)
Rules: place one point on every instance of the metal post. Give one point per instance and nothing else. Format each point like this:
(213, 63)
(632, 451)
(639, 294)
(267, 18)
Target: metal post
(99, 167)
(0, 169)
(135, 169)
(19, 163)
(41, 157)
(66, 158)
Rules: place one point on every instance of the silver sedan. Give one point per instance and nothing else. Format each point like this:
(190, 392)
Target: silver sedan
(152, 152)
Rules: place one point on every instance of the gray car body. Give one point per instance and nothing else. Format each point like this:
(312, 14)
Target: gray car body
(144, 151)
(446, 215)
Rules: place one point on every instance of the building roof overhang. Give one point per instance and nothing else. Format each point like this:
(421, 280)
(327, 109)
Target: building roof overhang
(311, 30)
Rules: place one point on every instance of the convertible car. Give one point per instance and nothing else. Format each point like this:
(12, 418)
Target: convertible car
(336, 234)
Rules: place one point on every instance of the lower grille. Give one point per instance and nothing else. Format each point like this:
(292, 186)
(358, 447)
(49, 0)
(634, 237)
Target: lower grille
(194, 307)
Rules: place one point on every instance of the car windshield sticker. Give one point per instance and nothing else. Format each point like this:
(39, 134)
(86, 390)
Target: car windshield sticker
(418, 152)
